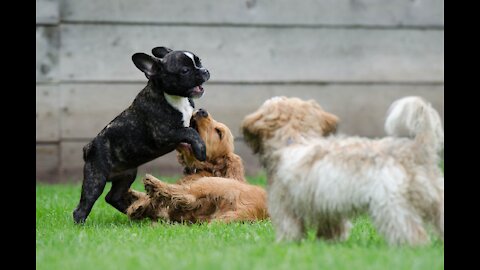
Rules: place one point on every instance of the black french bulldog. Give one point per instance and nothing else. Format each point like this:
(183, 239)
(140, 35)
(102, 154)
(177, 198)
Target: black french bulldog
(155, 124)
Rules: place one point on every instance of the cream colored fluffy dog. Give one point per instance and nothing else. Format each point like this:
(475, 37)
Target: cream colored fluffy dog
(322, 181)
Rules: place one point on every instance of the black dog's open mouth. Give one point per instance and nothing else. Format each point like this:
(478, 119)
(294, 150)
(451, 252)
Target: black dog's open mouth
(197, 91)
(184, 146)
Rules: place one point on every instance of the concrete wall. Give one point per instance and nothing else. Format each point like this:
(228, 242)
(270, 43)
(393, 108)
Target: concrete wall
(353, 56)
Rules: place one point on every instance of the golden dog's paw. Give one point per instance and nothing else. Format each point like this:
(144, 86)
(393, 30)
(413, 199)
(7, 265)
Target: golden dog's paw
(135, 211)
(151, 184)
(132, 196)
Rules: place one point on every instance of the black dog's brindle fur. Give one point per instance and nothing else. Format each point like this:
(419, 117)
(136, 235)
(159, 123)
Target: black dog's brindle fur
(149, 128)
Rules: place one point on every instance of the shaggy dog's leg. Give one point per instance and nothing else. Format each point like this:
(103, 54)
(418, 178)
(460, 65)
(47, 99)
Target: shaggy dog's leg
(287, 225)
(117, 196)
(398, 221)
(439, 216)
(440, 223)
(92, 187)
(439, 208)
(334, 229)
(430, 202)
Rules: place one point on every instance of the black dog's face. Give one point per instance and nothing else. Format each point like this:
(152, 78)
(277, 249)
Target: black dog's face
(178, 73)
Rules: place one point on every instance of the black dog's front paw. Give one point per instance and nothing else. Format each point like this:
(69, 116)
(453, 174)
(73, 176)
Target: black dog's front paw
(200, 152)
(79, 216)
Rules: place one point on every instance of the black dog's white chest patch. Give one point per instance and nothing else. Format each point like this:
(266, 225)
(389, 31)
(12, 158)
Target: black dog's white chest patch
(182, 105)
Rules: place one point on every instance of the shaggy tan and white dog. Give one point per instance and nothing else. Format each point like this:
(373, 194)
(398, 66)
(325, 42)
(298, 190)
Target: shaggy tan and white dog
(323, 181)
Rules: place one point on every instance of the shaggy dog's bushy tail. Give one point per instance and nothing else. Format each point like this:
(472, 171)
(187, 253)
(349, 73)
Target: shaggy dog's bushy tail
(415, 118)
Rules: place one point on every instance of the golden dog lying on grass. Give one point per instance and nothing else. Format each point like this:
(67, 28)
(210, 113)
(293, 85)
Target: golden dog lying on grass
(215, 189)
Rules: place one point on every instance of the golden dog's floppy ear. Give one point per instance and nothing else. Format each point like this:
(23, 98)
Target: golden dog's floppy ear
(329, 123)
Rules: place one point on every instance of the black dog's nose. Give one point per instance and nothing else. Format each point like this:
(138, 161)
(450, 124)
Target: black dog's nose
(205, 74)
(202, 113)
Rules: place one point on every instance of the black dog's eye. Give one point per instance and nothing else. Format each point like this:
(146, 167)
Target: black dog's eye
(185, 70)
(219, 132)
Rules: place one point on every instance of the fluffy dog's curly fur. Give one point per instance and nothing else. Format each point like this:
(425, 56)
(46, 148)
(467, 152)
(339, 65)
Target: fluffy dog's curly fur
(322, 181)
(199, 195)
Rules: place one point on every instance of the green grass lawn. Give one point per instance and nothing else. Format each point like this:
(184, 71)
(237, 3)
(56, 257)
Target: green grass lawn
(109, 240)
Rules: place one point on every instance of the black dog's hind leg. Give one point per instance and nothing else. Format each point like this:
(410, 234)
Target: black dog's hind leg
(93, 184)
(120, 185)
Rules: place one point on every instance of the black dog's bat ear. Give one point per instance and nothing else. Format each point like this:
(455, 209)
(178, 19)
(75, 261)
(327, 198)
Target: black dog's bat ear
(146, 64)
(160, 52)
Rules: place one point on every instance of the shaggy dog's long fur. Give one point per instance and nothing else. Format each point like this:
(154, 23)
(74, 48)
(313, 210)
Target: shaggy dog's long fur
(322, 181)
(213, 189)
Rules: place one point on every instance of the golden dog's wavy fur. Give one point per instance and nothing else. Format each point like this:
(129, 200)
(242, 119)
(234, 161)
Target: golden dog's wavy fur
(209, 198)
(221, 159)
(215, 189)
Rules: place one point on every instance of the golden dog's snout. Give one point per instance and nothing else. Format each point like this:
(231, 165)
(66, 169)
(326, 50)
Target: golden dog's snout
(201, 113)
